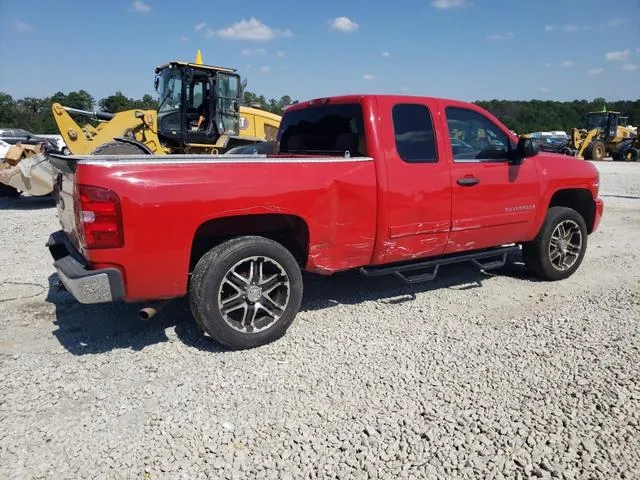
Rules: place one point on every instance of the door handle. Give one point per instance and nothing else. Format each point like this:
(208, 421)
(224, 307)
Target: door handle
(468, 181)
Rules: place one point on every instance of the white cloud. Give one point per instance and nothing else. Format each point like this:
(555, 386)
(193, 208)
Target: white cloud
(596, 71)
(210, 33)
(496, 37)
(617, 22)
(445, 4)
(247, 52)
(184, 39)
(368, 76)
(569, 27)
(265, 69)
(404, 89)
(252, 29)
(619, 56)
(567, 64)
(140, 7)
(386, 54)
(280, 54)
(200, 26)
(630, 67)
(343, 24)
(547, 65)
(543, 89)
(23, 27)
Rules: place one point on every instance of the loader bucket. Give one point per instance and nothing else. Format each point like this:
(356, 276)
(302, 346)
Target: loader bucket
(26, 168)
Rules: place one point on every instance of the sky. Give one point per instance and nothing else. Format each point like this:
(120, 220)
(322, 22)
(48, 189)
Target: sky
(463, 49)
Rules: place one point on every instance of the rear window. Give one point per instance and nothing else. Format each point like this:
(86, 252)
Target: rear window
(323, 130)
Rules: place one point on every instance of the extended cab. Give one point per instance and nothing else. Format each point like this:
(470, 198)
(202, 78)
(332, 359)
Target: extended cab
(385, 184)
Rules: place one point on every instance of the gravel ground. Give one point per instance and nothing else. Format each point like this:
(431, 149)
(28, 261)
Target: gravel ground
(472, 376)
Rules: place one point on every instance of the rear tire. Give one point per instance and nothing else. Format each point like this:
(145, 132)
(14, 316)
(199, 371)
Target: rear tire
(246, 292)
(629, 154)
(560, 246)
(118, 148)
(595, 151)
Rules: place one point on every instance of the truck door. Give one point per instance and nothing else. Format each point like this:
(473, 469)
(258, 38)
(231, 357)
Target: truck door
(418, 183)
(493, 201)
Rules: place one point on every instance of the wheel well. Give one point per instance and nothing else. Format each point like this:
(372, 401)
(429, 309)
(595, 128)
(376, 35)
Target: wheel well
(290, 231)
(579, 200)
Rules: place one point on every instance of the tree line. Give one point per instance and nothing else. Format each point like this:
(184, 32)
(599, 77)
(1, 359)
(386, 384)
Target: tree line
(34, 114)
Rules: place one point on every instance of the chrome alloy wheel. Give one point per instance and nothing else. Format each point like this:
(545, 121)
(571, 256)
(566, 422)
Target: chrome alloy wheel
(565, 245)
(254, 294)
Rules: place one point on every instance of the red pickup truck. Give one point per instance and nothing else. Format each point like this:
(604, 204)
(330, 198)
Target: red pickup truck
(386, 184)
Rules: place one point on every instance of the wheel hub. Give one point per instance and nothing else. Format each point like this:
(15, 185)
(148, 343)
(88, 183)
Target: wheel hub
(563, 246)
(254, 293)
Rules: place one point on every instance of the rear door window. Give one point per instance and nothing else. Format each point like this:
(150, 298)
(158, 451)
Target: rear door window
(323, 130)
(413, 129)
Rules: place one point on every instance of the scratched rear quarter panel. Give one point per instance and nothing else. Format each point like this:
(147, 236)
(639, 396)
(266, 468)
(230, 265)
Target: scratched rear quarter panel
(163, 205)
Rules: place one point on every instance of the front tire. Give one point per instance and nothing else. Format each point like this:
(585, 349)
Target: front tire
(246, 292)
(560, 246)
(118, 148)
(595, 151)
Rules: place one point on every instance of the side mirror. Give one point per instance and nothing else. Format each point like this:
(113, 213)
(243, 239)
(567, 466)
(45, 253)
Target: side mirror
(156, 83)
(527, 147)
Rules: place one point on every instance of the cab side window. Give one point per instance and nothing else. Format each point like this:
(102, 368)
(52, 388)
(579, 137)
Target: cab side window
(413, 129)
(474, 137)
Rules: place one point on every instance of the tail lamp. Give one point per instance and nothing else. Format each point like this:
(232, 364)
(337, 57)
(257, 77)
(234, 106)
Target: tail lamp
(98, 217)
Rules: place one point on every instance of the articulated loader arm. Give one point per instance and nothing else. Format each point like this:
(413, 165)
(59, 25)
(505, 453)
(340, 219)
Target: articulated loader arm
(580, 140)
(139, 125)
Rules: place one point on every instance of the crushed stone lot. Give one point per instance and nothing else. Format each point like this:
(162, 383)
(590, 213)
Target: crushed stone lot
(471, 376)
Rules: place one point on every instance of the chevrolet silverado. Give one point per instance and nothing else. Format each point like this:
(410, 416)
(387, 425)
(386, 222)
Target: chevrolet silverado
(385, 184)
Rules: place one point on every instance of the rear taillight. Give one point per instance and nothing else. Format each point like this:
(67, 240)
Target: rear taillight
(99, 217)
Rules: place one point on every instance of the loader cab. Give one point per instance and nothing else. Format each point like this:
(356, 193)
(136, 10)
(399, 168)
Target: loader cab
(605, 122)
(197, 104)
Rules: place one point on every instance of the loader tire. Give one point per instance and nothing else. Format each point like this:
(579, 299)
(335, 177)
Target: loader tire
(118, 148)
(629, 154)
(595, 151)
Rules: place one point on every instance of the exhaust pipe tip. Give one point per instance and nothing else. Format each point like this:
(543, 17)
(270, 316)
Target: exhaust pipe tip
(149, 312)
(146, 313)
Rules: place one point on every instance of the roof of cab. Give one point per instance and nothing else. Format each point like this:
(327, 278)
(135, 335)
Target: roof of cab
(196, 65)
(357, 98)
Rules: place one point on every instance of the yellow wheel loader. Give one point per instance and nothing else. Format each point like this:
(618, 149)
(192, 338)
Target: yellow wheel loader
(606, 133)
(199, 112)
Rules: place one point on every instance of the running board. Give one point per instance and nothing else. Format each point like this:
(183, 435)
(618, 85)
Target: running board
(489, 256)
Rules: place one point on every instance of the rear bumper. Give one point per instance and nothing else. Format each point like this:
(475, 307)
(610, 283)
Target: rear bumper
(597, 216)
(86, 285)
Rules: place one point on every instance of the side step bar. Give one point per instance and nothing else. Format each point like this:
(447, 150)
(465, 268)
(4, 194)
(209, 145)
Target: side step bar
(484, 260)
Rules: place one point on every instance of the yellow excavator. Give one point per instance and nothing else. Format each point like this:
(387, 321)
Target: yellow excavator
(199, 111)
(606, 133)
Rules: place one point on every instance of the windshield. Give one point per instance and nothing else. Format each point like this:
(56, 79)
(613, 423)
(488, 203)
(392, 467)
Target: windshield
(330, 130)
(169, 90)
(597, 120)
